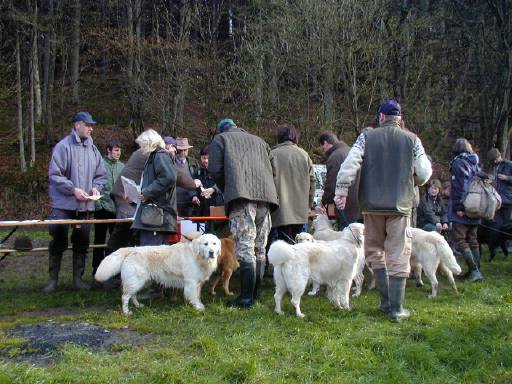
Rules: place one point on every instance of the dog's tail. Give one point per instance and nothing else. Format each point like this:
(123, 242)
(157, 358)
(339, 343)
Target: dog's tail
(446, 254)
(111, 265)
(280, 252)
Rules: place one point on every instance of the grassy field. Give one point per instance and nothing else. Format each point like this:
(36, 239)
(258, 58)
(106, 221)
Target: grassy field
(463, 338)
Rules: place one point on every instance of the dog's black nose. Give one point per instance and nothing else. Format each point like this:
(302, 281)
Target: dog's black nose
(211, 254)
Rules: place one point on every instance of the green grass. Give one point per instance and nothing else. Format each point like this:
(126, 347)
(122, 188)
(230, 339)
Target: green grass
(463, 338)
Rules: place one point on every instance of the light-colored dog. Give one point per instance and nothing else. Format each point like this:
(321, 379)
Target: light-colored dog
(181, 265)
(330, 263)
(304, 237)
(430, 250)
(324, 231)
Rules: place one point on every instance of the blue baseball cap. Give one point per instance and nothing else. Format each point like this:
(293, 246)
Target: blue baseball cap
(85, 117)
(225, 123)
(390, 107)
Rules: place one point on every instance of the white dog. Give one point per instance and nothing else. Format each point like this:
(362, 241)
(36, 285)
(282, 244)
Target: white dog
(325, 232)
(304, 237)
(430, 250)
(331, 263)
(182, 265)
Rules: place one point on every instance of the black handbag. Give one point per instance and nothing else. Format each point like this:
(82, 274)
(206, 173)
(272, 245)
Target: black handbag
(151, 215)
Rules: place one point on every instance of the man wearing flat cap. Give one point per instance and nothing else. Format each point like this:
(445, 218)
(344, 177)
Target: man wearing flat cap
(391, 161)
(77, 177)
(240, 165)
(501, 170)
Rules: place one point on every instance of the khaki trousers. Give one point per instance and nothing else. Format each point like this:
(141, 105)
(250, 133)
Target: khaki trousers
(388, 243)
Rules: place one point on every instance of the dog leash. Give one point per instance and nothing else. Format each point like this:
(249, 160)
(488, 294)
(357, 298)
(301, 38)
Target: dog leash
(288, 237)
(495, 230)
(347, 223)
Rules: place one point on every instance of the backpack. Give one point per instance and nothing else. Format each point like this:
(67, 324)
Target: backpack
(481, 200)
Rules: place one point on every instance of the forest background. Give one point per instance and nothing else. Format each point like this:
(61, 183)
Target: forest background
(179, 66)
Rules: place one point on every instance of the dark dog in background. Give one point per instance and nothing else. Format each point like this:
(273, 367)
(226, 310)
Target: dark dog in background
(494, 236)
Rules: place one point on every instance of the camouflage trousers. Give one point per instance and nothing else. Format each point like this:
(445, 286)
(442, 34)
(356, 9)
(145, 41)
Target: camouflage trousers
(250, 225)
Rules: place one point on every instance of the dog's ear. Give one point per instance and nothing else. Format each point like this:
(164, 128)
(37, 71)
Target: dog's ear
(195, 245)
(297, 237)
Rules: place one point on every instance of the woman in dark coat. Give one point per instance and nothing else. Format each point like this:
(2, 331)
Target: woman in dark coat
(158, 187)
(464, 166)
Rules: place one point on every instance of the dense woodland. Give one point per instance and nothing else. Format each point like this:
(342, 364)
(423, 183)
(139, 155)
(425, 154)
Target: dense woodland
(179, 66)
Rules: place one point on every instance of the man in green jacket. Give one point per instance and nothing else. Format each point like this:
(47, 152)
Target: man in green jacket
(105, 207)
(240, 165)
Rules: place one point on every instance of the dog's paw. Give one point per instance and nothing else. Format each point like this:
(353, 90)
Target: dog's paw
(199, 307)
(312, 293)
(432, 296)
(301, 315)
(419, 284)
(140, 305)
(229, 293)
(212, 292)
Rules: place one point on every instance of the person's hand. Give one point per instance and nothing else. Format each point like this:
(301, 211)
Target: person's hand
(439, 227)
(198, 183)
(340, 202)
(207, 193)
(141, 197)
(80, 194)
(95, 192)
(320, 209)
(445, 226)
(196, 201)
(501, 176)
(459, 213)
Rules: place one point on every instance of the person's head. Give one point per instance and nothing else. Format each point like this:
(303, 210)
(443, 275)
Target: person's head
(462, 145)
(203, 156)
(494, 156)
(170, 145)
(434, 187)
(389, 109)
(327, 140)
(149, 141)
(83, 124)
(183, 147)
(114, 149)
(287, 132)
(225, 124)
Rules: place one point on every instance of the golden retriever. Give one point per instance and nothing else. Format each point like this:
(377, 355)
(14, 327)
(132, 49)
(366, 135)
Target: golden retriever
(181, 265)
(331, 263)
(430, 250)
(227, 265)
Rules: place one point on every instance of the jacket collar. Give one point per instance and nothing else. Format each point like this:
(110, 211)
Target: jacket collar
(78, 140)
(284, 143)
(392, 121)
(332, 149)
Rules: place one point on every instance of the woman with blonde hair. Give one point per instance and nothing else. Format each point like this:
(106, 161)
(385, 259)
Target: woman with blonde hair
(156, 214)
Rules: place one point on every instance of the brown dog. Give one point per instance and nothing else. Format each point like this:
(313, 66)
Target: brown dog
(227, 265)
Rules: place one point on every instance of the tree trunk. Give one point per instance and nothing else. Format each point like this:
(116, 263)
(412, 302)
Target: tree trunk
(75, 51)
(19, 103)
(31, 114)
(38, 112)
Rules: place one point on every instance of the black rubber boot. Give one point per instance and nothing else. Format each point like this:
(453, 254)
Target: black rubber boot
(396, 291)
(474, 272)
(78, 270)
(382, 282)
(247, 283)
(53, 269)
(260, 270)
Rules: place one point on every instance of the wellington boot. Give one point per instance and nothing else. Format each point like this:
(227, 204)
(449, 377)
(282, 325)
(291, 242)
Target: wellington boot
(382, 282)
(53, 270)
(260, 270)
(247, 282)
(78, 271)
(397, 312)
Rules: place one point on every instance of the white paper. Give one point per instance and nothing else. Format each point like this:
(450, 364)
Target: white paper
(131, 189)
(94, 197)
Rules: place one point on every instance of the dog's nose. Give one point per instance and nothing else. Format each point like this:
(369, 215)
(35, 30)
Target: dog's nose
(211, 254)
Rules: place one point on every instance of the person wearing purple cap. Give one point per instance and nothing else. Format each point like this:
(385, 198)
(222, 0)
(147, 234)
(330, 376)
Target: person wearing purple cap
(392, 161)
(77, 176)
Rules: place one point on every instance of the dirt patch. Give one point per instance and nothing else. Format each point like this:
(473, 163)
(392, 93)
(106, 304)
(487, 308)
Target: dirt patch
(44, 340)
